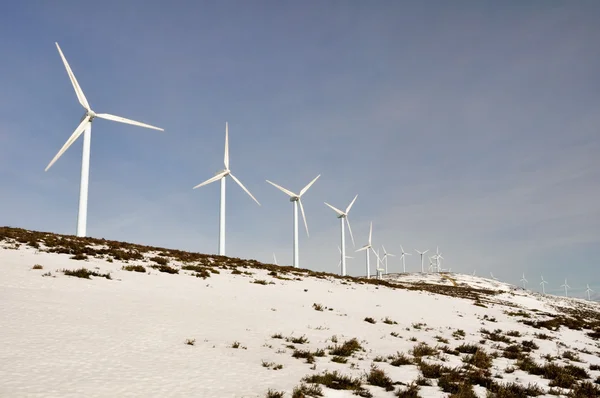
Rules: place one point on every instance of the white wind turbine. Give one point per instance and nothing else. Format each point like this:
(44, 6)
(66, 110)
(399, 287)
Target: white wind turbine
(296, 199)
(343, 215)
(340, 263)
(421, 254)
(566, 288)
(524, 281)
(85, 127)
(588, 291)
(222, 175)
(366, 248)
(543, 283)
(403, 258)
(437, 258)
(385, 257)
(275, 259)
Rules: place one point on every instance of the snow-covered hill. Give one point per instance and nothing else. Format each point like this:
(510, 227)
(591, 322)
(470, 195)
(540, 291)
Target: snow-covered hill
(159, 322)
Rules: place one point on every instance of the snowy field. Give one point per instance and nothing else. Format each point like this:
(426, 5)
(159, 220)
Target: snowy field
(229, 328)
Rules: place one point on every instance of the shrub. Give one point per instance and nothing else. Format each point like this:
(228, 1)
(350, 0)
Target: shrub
(274, 394)
(370, 320)
(411, 391)
(190, 341)
(160, 260)
(37, 266)
(377, 377)
(297, 340)
(339, 359)
(85, 273)
(399, 359)
(165, 268)
(304, 390)
(306, 354)
(346, 349)
(334, 380)
(388, 321)
(317, 307)
(422, 349)
(136, 268)
(467, 348)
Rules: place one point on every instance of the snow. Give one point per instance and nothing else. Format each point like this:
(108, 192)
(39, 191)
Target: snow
(63, 336)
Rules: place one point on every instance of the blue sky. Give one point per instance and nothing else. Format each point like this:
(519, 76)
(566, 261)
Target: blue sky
(472, 125)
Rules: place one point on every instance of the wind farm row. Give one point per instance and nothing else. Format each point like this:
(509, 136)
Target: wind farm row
(85, 127)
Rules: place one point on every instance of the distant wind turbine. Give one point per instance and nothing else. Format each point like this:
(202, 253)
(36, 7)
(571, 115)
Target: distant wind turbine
(222, 175)
(340, 263)
(385, 258)
(85, 127)
(421, 254)
(343, 215)
(366, 248)
(543, 283)
(403, 255)
(275, 259)
(296, 199)
(566, 286)
(588, 291)
(523, 280)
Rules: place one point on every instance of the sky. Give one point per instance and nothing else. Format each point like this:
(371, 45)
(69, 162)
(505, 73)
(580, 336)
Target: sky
(468, 125)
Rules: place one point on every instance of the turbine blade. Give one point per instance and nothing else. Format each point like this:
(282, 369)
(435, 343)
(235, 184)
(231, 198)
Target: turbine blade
(351, 203)
(338, 211)
(78, 91)
(213, 179)
(70, 141)
(243, 187)
(120, 119)
(303, 191)
(282, 189)
(226, 159)
(303, 216)
(370, 232)
(350, 230)
(376, 255)
(363, 248)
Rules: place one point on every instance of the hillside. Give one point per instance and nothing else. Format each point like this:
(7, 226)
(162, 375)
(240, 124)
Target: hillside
(97, 318)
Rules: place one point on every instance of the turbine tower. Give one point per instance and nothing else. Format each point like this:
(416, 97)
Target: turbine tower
(421, 254)
(85, 127)
(296, 199)
(366, 248)
(588, 291)
(403, 258)
(543, 283)
(275, 259)
(566, 288)
(385, 257)
(222, 175)
(343, 215)
(524, 281)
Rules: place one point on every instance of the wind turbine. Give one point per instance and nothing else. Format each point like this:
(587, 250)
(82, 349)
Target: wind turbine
(437, 257)
(543, 283)
(275, 259)
(340, 263)
(366, 248)
(385, 257)
(422, 253)
(588, 291)
(566, 287)
(296, 199)
(524, 281)
(403, 258)
(222, 175)
(343, 215)
(85, 127)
